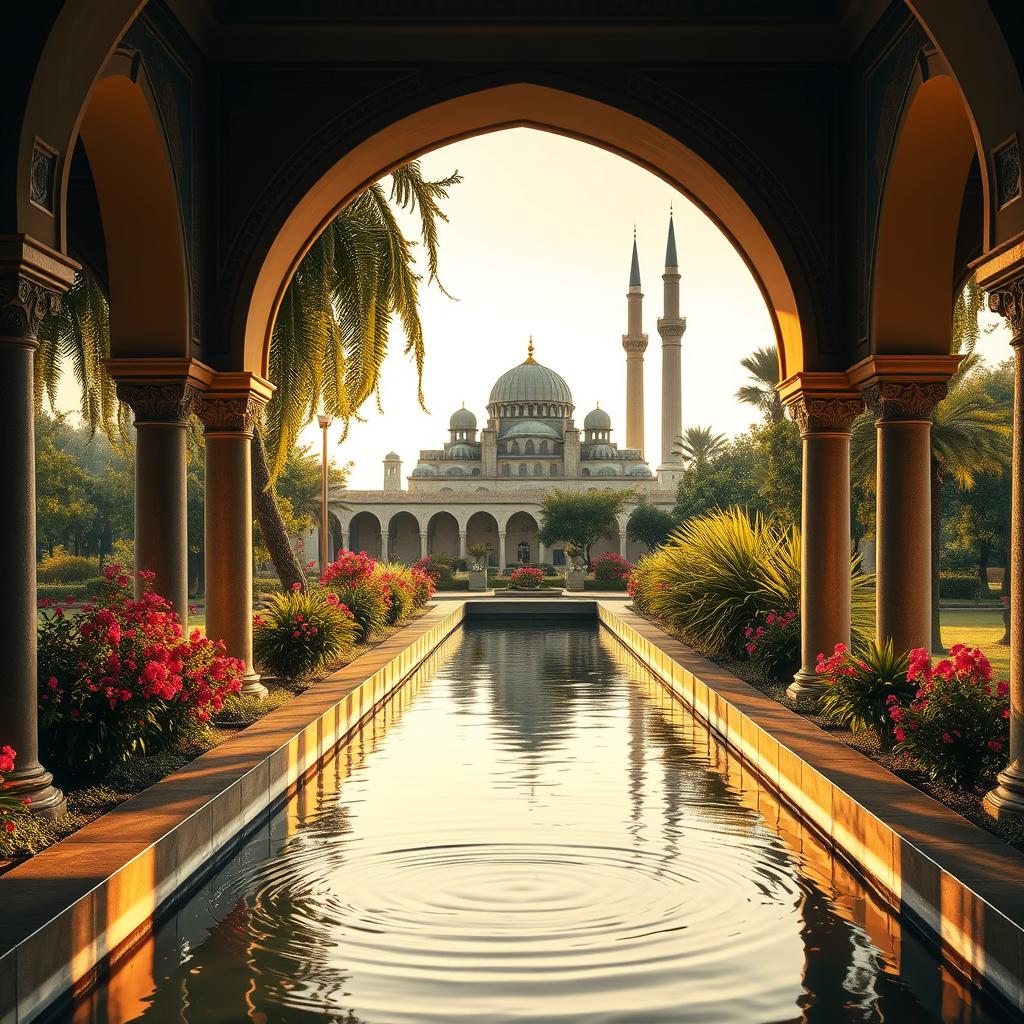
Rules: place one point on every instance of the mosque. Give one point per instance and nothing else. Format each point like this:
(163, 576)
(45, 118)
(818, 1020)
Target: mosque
(485, 484)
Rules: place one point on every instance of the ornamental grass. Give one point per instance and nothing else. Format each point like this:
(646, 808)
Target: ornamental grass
(719, 572)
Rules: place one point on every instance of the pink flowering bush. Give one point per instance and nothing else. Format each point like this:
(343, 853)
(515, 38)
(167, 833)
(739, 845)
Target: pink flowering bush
(860, 691)
(352, 578)
(401, 589)
(526, 578)
(121, 679)
(956, 726)
(11, 807)
(440, 568)
(772, 644)
(423, 587)
(349, 569)
(302, 633)
(611, 568)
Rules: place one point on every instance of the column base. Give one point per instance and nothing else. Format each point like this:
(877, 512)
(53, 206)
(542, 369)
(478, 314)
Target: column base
(252, 687)
(37, 784)
(1006, 801)
(806, 688)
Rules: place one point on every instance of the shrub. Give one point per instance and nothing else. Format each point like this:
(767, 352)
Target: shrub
(423, 586)
(956, 726)
(526, 578)
(348, 570)
(302, 632)
(546, 568)
(959, 586)
(773, 644)
(719, 572)
(369, 602)
(121, 679)
(60, 567)
(440, 568)
(397, 578)
(479, 554)
(79, 591)
(861, 691)
(611, 568)
(11, 807)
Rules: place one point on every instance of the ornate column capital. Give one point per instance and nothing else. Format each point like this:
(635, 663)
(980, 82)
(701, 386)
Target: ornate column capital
(159, 390)
(32, 279)
(1008, 301)
(903, 387)
(821, 403)
(233, 403)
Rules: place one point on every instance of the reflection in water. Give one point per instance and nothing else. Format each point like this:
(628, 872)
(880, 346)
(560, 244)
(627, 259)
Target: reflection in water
(532, 830)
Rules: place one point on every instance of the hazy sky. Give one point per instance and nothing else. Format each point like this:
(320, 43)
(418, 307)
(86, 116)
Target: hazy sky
(539, 243)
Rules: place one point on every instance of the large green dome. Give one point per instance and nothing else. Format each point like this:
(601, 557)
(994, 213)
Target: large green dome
(530, 382)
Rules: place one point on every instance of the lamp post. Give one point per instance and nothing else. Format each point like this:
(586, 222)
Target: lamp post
(325, 421)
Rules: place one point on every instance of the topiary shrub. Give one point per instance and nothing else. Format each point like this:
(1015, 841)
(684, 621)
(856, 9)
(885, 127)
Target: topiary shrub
(861, 691)
(121, 679)
(302, 633)
(60, 567)
(959, 586)
(957, 725)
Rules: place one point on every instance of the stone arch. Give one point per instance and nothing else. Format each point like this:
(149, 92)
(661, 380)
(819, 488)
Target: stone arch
(364, 534)
(124, 141)
(914, 270)
(404, 537)
(726, 189)
(529, 448)
(482, 528)
(520, 528)
(443, 534)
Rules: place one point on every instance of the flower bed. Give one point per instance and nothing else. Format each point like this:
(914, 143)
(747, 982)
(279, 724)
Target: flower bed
(12, 808)
(526, 578)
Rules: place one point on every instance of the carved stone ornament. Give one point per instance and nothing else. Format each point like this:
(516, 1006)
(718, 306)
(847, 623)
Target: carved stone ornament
(234, 414)
(904, 399)
(163, 402)
(824, 414)
(23, 304)
(1008, 302)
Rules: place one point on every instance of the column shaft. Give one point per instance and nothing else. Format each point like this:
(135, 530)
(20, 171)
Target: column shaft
(161, 509)
(903, 524)
(462, 544)
(424, 545)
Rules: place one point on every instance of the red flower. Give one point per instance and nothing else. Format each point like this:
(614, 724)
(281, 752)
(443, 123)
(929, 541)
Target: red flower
(10, 827)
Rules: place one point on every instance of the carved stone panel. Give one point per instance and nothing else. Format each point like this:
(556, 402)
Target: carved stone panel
(1008, 302)
(904, 400)
(158, 402)
(230, 413)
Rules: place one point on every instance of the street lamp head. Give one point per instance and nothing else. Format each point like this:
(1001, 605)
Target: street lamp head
(325, 420)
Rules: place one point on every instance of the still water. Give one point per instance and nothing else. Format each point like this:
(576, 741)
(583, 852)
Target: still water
(532, 830)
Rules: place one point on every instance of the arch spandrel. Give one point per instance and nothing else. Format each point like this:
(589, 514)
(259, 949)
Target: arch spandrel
(789, 296)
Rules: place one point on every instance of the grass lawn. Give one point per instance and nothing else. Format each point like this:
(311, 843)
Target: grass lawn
(978, 628)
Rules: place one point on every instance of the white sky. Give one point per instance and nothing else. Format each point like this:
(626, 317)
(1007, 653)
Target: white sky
(539, 243)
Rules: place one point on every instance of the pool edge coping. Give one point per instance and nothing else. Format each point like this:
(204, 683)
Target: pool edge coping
(911, 849)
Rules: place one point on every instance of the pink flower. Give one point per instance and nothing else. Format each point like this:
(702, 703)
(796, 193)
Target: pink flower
(946, 738)
(751, 648)
(900, 735)
(296, 586)
(995, 745)
(10, 827)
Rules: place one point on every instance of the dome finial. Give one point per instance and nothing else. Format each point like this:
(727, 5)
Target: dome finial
(529, 353)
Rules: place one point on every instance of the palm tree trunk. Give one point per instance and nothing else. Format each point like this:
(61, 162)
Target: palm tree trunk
(936, 545)
(275, 536)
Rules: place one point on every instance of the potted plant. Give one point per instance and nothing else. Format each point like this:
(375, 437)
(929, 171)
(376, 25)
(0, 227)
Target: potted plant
(575, 571)
(479, 554)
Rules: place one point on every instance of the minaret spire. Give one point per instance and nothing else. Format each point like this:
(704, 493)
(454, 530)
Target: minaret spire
(671, 327)
(634, 341)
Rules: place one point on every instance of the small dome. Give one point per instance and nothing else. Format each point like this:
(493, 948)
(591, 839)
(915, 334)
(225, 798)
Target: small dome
(597, 419)
(530, 428)
(461, 451)
(640, 471)
(392, 457)
(600, 451)
(607, 471)
(454, 471)
(462, 419)
(424, 470)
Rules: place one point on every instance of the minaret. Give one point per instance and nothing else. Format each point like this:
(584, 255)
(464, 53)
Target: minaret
(634, 341)
(671, 328)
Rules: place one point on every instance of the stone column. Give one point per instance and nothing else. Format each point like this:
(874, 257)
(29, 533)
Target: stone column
(31, 282)
(230, 411)
(502, 558)
(1007, 799)
(825, 418)
(344, 539)
(542, 555)
(903, 595)
(161, 411)
(424, 544)
(462, 544)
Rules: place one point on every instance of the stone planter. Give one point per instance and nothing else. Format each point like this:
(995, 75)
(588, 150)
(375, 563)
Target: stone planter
(526, 592)
(477, 579)
(574, 577)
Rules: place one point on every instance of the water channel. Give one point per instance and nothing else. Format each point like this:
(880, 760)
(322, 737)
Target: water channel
(532, 829)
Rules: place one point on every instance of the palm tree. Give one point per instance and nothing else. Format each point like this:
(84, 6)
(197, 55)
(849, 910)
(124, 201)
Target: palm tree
(698, 446)
(968, 437)
(763, 367)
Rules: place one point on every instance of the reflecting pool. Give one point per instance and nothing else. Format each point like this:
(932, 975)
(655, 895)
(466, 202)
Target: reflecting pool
(532, 830)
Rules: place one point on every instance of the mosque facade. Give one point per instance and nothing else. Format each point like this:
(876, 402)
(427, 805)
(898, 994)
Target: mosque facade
(485, 484)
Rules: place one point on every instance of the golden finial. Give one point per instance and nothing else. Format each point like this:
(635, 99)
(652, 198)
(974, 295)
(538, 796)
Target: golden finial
(529, 353)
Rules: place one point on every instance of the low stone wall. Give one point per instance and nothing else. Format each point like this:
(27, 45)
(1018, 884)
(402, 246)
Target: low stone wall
(87, 899)
(959, 884)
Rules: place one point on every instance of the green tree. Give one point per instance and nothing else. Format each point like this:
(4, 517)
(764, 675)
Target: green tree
(779, 470)
(763, 367)
(978, 525)
(731, 480)
(650, 525)
(62, 513)
(699, 445)
(581, 518)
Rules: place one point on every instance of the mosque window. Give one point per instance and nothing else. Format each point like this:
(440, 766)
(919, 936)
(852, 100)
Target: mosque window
(522, 469)
(513, 447)
(585, 472)
(553, 469)
(537, 469)
(529, 449)
(505, 470)
(476, 472)
(542, 448)
(607, 471)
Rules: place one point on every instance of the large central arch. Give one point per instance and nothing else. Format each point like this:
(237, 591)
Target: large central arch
(789, 296)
